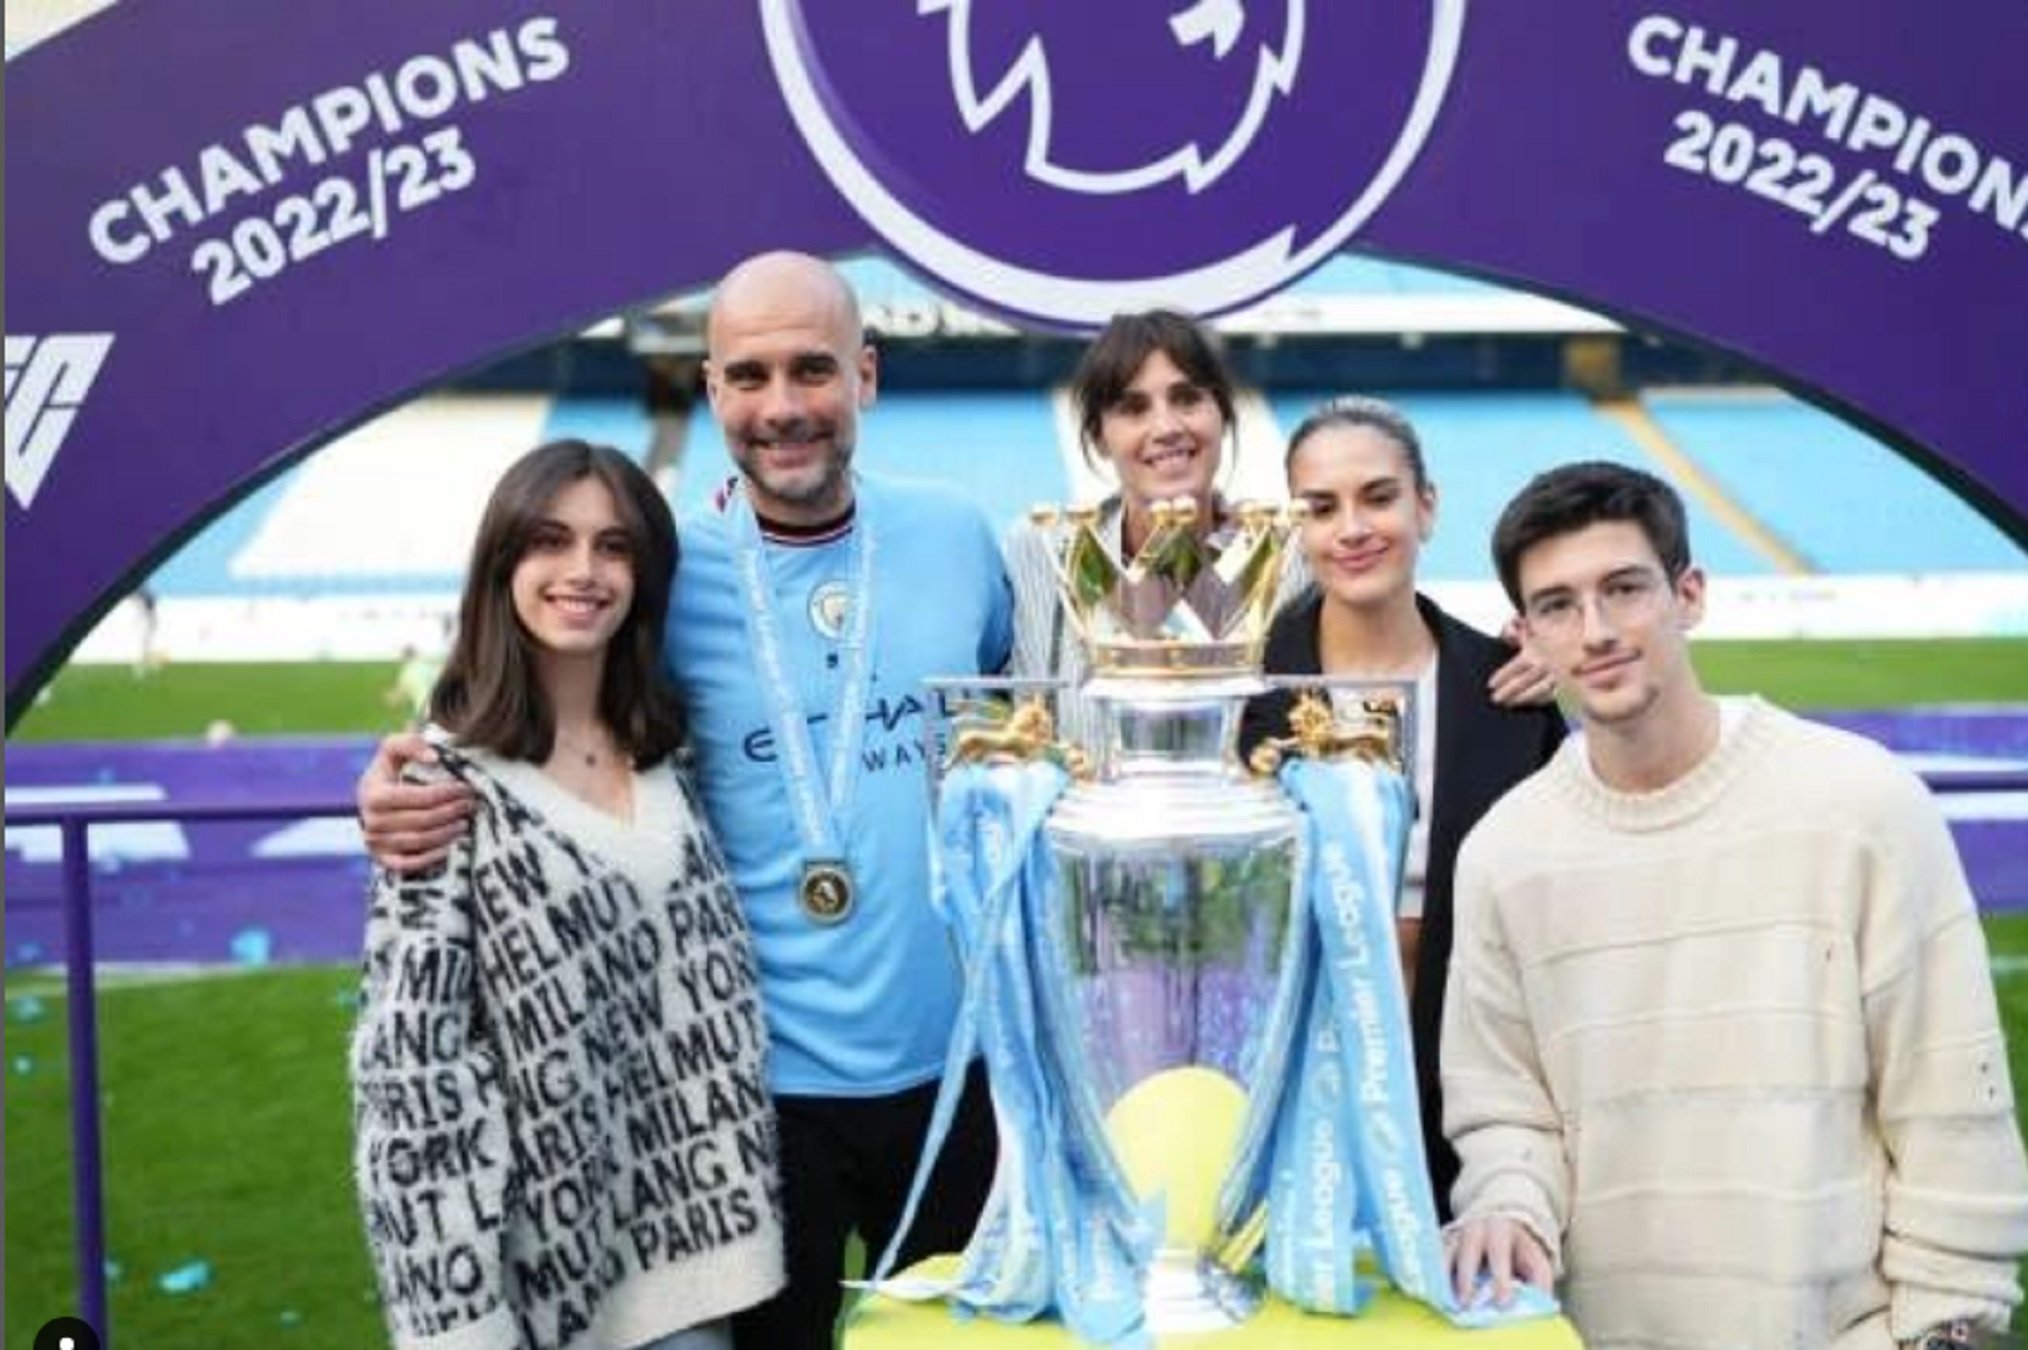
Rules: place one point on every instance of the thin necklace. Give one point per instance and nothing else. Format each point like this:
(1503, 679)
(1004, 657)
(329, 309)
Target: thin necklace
(591, 755)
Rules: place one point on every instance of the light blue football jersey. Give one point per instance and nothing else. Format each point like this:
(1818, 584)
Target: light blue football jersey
(863, 1007)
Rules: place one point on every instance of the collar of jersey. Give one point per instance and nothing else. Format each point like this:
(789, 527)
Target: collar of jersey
(798, 536)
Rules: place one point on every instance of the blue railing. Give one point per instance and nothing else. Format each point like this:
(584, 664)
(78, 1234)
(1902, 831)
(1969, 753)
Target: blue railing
(76, 821)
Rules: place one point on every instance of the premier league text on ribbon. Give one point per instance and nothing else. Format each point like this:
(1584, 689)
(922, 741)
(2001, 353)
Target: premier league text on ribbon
(376, 138)
(1897, 163)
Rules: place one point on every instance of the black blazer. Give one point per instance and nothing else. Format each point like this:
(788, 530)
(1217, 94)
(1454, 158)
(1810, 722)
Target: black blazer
(1481, 751)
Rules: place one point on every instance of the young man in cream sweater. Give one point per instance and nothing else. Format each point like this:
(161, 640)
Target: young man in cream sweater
(1721, 1047)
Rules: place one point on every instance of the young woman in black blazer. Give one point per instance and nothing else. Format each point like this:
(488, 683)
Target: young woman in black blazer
(1483, 716)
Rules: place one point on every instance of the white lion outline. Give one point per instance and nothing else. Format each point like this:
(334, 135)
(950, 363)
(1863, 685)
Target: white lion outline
(1216, 21)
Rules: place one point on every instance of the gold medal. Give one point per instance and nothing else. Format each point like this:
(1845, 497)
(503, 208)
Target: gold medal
(826, 892)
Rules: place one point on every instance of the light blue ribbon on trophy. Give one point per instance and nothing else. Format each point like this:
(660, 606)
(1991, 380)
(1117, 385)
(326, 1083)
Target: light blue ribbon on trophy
(1299, 1146)
(1333, 1136)
(826, 891)
(1062, 1230)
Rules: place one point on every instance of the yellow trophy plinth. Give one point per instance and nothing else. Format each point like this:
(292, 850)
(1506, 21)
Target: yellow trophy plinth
(1390, 1322)
(1164, 1132)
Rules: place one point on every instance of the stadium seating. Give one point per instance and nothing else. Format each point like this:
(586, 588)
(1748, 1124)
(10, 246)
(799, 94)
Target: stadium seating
(366, 539)
(1001, 446)
(411, 482)
(620, 422)
(1481, 447)
(1846, 502)
(416, 479)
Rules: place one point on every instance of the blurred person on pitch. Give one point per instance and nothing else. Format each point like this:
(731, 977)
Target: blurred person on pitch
(1720, 1045)
(571, 991)
(148, 657)
(414, 678)
(813, 603)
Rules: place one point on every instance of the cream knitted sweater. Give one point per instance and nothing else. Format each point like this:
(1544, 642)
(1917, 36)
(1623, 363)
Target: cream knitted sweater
(1732, 1046)
(564, 1137)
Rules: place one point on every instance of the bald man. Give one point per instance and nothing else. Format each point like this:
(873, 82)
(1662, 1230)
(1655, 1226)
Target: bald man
(808, 609)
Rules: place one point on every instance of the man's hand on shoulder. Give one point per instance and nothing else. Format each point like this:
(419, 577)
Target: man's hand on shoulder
(410, 811)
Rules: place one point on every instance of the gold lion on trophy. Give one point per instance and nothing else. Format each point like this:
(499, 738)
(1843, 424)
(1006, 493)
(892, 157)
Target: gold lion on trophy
(1023, 734)
(1373, 732)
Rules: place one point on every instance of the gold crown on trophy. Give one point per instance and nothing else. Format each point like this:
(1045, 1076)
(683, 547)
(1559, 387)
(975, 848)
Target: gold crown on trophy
(1184, 605)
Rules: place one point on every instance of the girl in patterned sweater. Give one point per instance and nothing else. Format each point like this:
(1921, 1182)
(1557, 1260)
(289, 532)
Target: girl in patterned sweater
(563, 1136)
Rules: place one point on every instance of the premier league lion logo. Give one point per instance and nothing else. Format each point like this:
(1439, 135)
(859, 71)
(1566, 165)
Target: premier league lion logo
(1064, 159)
(1227, 63)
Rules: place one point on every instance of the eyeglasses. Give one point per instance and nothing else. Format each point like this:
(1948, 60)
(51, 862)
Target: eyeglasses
(1623, 597)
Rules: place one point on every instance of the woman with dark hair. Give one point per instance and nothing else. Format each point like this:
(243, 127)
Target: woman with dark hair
(563, 1136)
(1155, 406)
(1357, 464)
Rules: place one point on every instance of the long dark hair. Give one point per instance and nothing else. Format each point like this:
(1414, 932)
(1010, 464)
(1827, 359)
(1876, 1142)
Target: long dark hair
(1117, 354)
(489, 694)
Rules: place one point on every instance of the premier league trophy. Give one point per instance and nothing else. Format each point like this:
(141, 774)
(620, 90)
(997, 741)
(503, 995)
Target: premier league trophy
(1181, 971)
(1175, 870)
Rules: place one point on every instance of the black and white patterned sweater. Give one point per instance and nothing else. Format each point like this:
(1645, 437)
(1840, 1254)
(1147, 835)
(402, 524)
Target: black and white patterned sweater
(563, 1132)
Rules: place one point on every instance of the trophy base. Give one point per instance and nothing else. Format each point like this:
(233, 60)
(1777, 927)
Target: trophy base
(1186, 1292)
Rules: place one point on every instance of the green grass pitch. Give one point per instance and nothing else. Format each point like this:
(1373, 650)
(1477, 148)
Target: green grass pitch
(183, 700)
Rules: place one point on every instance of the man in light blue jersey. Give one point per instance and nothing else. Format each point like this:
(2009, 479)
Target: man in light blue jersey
(809, 607)
(807, 613)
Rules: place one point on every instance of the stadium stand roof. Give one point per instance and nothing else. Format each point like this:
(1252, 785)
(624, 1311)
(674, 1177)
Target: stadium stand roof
(1350, 294)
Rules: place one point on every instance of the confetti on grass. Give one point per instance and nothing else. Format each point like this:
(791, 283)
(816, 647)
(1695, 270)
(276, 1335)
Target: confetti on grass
(252, 946)
(185, 1279)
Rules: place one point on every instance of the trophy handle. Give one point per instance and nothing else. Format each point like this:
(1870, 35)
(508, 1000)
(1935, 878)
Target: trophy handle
(1372, 732)
(1023, 734)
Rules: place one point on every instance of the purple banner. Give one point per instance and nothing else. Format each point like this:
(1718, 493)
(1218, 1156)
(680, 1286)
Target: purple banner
(240, 227)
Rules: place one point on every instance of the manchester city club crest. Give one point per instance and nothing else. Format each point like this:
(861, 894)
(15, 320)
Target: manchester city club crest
(1065, 160)
(830, 605)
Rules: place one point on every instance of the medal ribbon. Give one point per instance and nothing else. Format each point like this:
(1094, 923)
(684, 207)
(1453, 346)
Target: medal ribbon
(820, 809)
